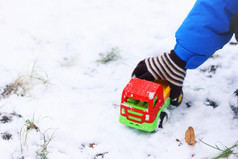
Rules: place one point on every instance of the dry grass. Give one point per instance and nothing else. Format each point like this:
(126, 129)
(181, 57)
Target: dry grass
(109, 56)
(24, 83)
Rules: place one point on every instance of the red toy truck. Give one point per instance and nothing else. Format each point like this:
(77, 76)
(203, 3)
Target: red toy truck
(143, 103)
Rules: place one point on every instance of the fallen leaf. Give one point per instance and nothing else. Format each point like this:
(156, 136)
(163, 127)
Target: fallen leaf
(190, 136)
(91, 145)
(33, 126)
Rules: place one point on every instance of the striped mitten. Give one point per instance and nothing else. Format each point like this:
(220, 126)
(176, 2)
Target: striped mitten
(167, 67)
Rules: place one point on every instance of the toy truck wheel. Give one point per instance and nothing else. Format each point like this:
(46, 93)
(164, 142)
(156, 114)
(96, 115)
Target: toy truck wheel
(177, 101)
(163, 119)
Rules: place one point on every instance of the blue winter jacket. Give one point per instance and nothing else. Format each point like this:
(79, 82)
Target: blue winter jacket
(204, 31)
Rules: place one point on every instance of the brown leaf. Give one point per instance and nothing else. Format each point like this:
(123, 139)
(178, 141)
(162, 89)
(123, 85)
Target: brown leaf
(91, 145)
(33, 126)
(190, 136)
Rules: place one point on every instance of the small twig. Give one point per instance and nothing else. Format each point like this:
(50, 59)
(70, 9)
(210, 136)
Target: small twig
(100, 154)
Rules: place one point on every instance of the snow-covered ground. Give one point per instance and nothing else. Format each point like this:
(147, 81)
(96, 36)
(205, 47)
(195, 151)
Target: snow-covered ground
(74, 100)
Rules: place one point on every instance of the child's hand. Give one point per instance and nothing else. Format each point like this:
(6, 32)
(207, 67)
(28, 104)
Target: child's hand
(167, 67)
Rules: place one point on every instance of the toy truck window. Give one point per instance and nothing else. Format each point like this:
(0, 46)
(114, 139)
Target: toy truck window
(141, 105)
(155, 101)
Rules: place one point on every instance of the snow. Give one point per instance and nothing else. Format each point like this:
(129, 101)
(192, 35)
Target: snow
(151, 95)
(62, 40)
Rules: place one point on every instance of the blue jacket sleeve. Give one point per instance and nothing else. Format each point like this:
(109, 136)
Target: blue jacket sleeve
(204, 31)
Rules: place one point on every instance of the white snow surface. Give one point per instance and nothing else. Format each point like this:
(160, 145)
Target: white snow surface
(63, 39)
(151, 95)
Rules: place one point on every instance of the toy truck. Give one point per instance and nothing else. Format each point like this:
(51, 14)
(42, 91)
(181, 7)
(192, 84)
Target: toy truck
(143, 104)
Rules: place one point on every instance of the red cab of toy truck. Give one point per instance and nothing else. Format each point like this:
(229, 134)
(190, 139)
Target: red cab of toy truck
(142, 102)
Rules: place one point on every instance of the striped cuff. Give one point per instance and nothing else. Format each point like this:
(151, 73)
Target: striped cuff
(167, 67)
